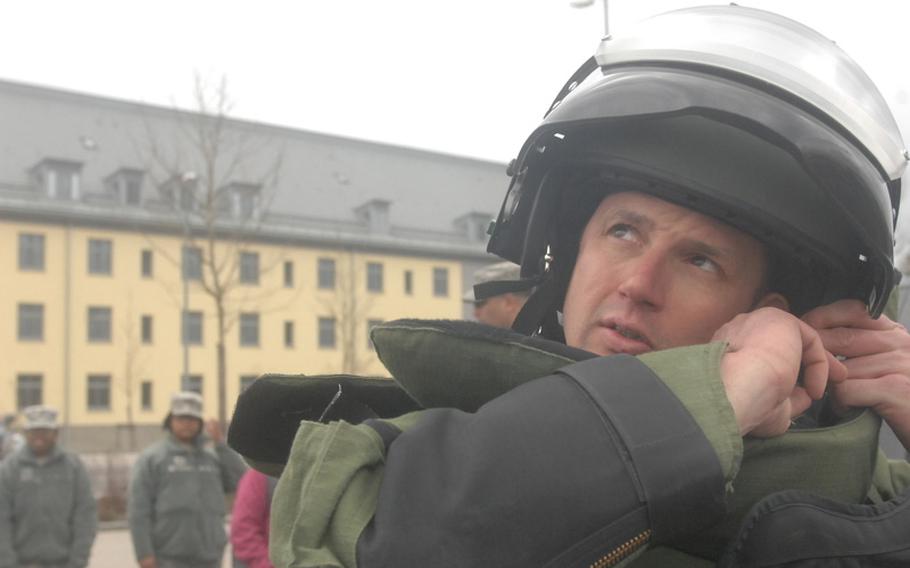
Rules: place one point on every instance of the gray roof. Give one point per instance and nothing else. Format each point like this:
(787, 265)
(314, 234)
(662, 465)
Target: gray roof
(322, 179)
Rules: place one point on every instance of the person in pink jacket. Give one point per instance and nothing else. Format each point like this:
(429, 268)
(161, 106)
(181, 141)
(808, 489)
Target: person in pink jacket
(250, 520)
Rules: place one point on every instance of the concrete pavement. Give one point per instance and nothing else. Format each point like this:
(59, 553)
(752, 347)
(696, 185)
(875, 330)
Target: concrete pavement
(113, 549)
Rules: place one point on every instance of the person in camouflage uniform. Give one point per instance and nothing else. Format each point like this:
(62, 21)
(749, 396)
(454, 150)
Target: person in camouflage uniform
(47, 510)
(177, 491)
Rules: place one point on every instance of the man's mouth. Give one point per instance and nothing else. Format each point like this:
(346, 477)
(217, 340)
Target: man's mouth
(630, 334)
(627, 332)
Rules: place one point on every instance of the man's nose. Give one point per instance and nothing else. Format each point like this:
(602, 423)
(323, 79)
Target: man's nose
(644, 279)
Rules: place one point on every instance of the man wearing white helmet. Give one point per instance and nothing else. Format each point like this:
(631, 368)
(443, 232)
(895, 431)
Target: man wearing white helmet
(498, 294)
(176, 506)
(708, 223)
(47, 510)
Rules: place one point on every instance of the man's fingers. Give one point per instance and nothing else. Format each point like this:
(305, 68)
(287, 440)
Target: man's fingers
(800, 401)
(837, 370)
(815, 361)
(883, 392)
(878, 365)
(845, 313)
(855, 342)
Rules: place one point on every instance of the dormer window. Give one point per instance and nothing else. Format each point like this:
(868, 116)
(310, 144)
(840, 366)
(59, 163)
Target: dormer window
(244, 200)
(473, 226)
(126, 185)
(58, 179)
(180, 191)
(375, 214)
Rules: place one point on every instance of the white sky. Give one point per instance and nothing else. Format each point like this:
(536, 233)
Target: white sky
(469, 77)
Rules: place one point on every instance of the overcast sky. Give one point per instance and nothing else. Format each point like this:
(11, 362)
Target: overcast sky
(466, 77)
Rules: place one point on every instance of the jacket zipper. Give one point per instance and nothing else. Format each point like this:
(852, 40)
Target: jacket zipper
(623, 550)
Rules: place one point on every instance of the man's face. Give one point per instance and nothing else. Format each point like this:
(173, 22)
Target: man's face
(41, 440)
(651, 275)
(499, 311)
(185, 428)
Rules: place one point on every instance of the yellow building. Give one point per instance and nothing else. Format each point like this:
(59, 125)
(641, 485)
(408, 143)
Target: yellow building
(104, 286)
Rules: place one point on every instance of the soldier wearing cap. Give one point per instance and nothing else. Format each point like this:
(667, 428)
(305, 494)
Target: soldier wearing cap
(498, 294)
(176, 508)
(47, 510)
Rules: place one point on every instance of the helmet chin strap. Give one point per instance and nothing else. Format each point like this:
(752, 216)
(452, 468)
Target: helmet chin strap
(538, 316)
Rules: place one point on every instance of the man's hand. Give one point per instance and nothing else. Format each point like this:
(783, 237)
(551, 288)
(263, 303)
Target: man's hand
(213, 429)
(767, 348)
(877, 360)
(148, 562)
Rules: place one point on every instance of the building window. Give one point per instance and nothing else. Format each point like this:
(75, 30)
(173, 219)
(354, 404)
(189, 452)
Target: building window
(370, 325)
(58, 178)
(146, 329)
(247, 204)
(249, 268)
(241, 200)
(133, 192)
(191, 263)
(192, 328)
(288, 334)
(249, 330)
(246, 381)
(288, 274)
(99, 256)
(325, 276)
(145, 395)
(440, 281)
(147, 266)
(28, 390)
(374, 277)
(99, 392)
(191, 383)
(31, 322)
(327, 333)
(99, 324)
(408, 282)
(126, 185)
(31, 252)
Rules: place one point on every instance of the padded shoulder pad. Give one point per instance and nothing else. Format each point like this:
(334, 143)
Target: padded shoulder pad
(464, 364)
(269, 412)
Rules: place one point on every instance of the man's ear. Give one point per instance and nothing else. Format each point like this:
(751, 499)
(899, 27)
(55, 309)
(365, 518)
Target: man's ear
(773, 300)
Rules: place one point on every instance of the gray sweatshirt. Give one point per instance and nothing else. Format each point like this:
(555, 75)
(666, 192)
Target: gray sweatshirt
(47, 510)
(176, 505)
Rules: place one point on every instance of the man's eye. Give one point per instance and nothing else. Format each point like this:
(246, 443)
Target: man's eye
(705, 263)
(621, 231)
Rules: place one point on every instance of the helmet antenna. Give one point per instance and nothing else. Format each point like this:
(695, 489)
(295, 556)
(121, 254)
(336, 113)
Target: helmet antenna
(586, 3)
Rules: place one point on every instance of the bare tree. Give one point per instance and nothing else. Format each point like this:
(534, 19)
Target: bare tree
(218, 182)
(133, 366)
(350, 310)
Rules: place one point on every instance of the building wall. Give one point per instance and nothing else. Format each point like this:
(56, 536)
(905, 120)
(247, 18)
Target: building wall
(65, 358)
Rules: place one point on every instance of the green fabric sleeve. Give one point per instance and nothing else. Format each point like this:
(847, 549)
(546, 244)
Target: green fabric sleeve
(693, 374)
(326, 495)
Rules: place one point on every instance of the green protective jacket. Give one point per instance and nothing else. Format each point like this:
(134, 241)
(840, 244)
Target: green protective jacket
(526, 457)
(47, 510)
(177, 500)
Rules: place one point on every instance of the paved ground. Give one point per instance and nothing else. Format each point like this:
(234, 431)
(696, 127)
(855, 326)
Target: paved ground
(113, 549)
